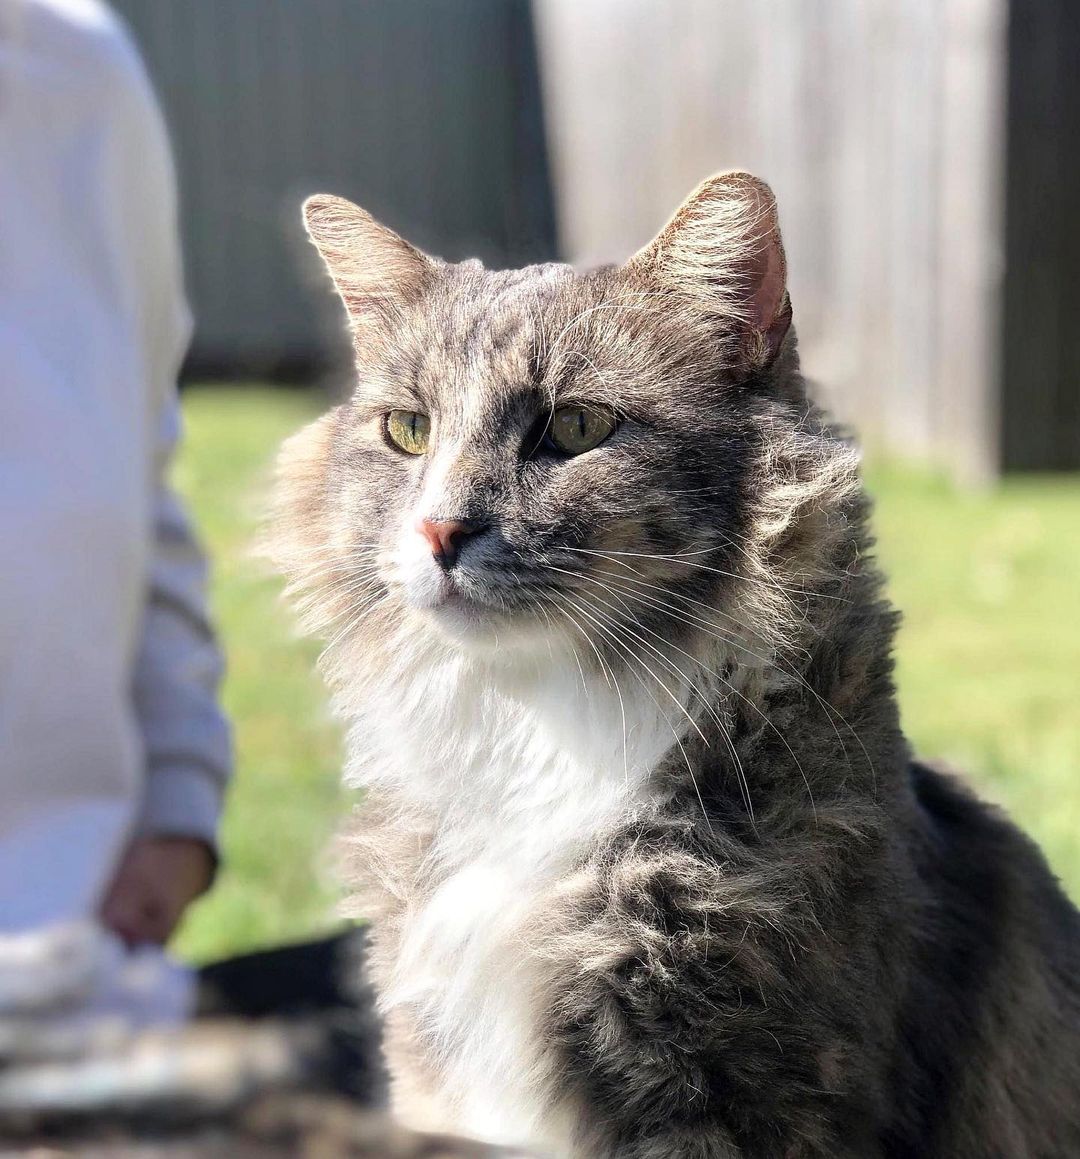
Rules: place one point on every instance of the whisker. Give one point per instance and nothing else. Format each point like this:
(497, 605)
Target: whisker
(648, 691)
(735, 691)
(830, 710)
(638, 305)
(613, 681)
(704, 567)
(679, 673)
(354, 621)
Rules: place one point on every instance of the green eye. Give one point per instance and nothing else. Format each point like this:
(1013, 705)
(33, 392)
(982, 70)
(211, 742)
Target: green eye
(408, 431)
(577, 429)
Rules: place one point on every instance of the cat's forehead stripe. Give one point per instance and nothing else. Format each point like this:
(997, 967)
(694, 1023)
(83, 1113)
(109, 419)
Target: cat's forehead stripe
(492, 335)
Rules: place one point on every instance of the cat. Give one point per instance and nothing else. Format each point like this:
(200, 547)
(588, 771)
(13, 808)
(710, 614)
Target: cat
(653, 872)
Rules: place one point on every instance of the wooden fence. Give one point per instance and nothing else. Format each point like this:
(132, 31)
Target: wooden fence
(880, 126)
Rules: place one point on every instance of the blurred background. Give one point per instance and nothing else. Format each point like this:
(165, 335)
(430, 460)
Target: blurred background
(924, 154)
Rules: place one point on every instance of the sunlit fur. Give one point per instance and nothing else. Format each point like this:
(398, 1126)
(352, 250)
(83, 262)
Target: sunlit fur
(651, 871)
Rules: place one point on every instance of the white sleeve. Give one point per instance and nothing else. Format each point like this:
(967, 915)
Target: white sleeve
(177, 670)
(178, 665)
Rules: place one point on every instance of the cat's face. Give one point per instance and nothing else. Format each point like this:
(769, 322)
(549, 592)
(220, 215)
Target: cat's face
(541, 451)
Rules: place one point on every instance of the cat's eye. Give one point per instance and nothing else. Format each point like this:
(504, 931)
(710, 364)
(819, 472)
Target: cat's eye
(408, 431)
(577, 429)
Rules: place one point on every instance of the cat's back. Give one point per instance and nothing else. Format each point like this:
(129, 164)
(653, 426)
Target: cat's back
(988, 1058)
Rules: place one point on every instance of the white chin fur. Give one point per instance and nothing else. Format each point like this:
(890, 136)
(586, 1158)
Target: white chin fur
(426, 585)
(476, 629)
(521, 757)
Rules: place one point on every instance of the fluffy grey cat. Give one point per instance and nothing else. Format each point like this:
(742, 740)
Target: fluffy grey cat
(653, 872)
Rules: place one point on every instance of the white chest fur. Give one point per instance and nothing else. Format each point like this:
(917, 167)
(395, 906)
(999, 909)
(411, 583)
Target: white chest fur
(523, 765)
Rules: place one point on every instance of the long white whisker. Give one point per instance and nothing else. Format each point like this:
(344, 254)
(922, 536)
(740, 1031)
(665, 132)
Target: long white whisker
(704, 567)
(638, 305)
(612, 681)
(779, 662)
(629, 653)
(731, 688)
(680, 674)
(354, 621)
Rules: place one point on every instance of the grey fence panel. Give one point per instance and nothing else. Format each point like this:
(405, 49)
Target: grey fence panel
(424, 111)
(1041, 339)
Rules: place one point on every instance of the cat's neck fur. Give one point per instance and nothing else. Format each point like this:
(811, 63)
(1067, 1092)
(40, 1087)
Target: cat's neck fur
(508, 757)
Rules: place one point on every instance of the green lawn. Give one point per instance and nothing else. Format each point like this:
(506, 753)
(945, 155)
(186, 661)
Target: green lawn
(989, 663)
(276, 880)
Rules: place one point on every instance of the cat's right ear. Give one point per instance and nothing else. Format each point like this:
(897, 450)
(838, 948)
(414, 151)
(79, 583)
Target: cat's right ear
(376, 272)
(722, 252)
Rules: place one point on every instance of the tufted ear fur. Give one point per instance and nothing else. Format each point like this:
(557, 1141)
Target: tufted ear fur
(376, 272)
(722, 250)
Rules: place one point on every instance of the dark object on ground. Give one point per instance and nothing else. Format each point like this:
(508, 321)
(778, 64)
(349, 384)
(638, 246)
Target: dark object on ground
(284, 1059)
(317, 985)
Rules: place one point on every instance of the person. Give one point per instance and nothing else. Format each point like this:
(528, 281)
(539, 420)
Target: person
(113, 749)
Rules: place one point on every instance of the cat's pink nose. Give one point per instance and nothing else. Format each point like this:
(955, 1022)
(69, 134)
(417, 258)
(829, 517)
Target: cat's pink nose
(445, 537)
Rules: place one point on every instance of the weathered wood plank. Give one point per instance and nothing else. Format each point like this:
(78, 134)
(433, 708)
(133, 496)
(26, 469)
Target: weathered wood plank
(879, 126)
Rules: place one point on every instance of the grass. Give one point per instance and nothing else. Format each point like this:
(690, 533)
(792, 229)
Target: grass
(275, 884)
(989, 663)
(989, 648)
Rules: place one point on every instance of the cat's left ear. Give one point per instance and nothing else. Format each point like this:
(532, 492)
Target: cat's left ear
(375, 271)
(722, 251)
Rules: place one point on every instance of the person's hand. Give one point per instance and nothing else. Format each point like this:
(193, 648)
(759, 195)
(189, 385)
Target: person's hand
(157, 879)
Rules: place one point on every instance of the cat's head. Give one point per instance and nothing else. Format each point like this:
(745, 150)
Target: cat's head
(544, 452)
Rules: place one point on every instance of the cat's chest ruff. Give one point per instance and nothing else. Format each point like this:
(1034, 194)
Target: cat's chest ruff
(516, 763)
(523, 773)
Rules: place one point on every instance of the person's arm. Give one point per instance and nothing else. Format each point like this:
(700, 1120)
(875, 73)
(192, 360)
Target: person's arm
(176, 671)
(170, 860)
(176, 677)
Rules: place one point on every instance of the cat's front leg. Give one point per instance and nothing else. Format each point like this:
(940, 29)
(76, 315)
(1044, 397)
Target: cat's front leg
(694, 1019)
